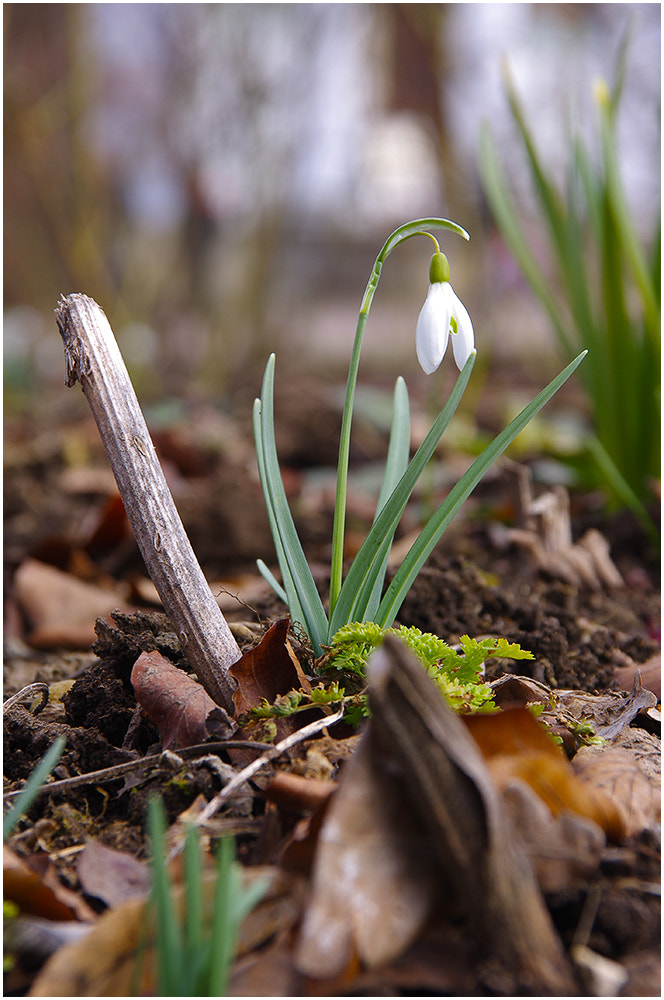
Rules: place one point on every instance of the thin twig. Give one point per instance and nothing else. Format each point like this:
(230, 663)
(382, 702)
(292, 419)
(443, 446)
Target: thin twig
(93, 358)
(251, 769)
(31, 691)
(119, 770)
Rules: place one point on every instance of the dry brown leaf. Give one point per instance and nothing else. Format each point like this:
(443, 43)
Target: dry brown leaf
(34, 887)
(297, 793)
(417, 819)
(561, 849)
(517, 746)
(60, 609)
(372, 887)
(103, 963)
(111, 528)
(267, 670)
(650, 671)
(110, 875)
(608, 713)
(179, 706)
(617, 775)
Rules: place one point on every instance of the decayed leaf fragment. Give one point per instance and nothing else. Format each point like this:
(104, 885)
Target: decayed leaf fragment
(417, 817)
(616, 773)
(179, 706)
(267, 670)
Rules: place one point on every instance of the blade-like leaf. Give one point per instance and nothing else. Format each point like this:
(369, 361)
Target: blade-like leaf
(395, 466)
(504, 210)
(169, 942)
(431, 534)
(292, 560)
(268, 575)
(289, 592)
(365, 565)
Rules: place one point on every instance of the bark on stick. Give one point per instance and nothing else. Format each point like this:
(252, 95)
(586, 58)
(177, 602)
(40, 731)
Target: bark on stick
(93, 358)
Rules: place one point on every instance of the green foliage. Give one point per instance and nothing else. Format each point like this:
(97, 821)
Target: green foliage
(456, 672)
(359, 596)
(604, 294)
(194, 954)
(297, 701)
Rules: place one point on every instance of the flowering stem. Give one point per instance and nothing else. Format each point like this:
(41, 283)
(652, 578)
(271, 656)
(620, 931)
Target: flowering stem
(415, 228)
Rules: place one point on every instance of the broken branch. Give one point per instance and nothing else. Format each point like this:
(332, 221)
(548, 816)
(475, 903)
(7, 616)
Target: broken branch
(93, 358)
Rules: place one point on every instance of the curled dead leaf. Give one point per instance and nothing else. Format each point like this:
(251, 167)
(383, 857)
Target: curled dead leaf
(416, 828)
(267, 670)
(35, 888)
(179, 706)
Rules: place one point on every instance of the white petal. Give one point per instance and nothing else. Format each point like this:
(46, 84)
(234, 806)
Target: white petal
(463, 341)
(433, 326)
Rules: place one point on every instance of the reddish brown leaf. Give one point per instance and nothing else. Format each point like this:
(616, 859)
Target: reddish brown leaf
(60, 609)
(297, 793)
(179, 706)
(111, 529)
(268, 670)
(40, 892)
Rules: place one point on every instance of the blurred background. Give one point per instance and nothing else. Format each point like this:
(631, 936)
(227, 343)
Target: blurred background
(220, 177)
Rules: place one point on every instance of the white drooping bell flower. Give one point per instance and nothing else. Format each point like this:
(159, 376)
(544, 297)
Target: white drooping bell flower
(442, 314)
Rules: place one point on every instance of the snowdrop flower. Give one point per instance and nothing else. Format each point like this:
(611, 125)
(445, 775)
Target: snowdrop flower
(441, 315)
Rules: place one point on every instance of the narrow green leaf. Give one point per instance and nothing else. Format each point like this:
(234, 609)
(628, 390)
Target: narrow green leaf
(292, 560)
(504, 210)
(431, 534)
(365, 567)
(395, 466)
(289, 590)
(169, 943)
(268, 575)
(33, 786)
(193, 878)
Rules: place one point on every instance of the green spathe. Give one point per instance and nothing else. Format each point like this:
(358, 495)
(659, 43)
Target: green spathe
(439, 269)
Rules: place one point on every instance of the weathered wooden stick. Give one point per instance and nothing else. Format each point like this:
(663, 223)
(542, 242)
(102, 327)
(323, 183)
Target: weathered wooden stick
(93, 358)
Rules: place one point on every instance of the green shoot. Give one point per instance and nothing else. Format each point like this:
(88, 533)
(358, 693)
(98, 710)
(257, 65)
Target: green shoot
(194, 953)
(604, 295)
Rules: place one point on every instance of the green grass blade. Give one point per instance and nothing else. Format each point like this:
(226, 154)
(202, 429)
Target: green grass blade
(395, 466)
(193, 879)
(168, 934)
(292, 560)
(504, 211)
(222, 931)
(431, 534)
(268, 575)
(288, 592)
(33, 786)
(365, 566)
